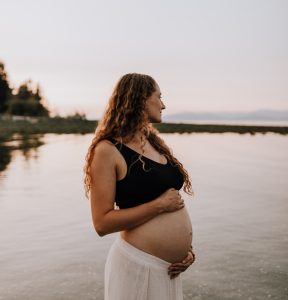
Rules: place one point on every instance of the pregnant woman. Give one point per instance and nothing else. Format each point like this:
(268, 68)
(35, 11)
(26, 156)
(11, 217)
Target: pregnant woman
(133, 181)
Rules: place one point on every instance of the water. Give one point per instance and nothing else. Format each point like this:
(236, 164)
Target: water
(274, 123)
(49, 249)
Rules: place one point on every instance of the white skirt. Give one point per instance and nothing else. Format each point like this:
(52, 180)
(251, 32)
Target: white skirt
(132, 274)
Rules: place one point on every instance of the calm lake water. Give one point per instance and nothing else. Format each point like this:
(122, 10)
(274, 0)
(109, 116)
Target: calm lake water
(49, 249)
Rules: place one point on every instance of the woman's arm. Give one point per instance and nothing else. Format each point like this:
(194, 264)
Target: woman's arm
(105, 218)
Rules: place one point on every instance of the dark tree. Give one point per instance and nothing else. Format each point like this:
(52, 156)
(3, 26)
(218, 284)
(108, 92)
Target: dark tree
(25, 91)
(27, 102)
(38, 94)
(5, 91)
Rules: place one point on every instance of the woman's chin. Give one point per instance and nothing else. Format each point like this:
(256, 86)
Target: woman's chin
(156, 120)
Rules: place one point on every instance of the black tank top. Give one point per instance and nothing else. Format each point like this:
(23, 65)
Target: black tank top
(140, 186)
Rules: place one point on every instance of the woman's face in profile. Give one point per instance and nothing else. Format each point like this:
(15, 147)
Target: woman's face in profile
(154, 106)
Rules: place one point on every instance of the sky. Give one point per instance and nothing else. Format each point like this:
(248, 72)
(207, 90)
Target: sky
(206, 55)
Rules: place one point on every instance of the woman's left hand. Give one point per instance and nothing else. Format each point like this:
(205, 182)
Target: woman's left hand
(176, 268)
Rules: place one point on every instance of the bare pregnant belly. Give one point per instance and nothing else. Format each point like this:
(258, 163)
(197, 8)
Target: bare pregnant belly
(167, 236)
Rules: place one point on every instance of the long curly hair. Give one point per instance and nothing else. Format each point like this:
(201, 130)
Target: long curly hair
(124, 116)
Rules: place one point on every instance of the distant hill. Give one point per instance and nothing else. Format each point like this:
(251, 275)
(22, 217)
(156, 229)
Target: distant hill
(257, 115)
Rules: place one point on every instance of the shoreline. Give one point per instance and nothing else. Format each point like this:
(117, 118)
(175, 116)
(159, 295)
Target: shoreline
(27, 126)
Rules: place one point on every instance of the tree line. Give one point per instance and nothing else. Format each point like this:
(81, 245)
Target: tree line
(26, 100)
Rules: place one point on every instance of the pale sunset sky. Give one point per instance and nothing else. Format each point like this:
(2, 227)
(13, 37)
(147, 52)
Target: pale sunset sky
(206, 55)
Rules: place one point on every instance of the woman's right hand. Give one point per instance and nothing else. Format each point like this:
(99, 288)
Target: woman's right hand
(171, 200)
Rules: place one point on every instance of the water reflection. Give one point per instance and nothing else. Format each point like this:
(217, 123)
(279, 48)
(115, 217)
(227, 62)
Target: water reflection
(27, 144)
(5, 157)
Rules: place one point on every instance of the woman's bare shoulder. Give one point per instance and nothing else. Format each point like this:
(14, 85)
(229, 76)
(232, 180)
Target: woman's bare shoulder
(104, 162)
(105, 149)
